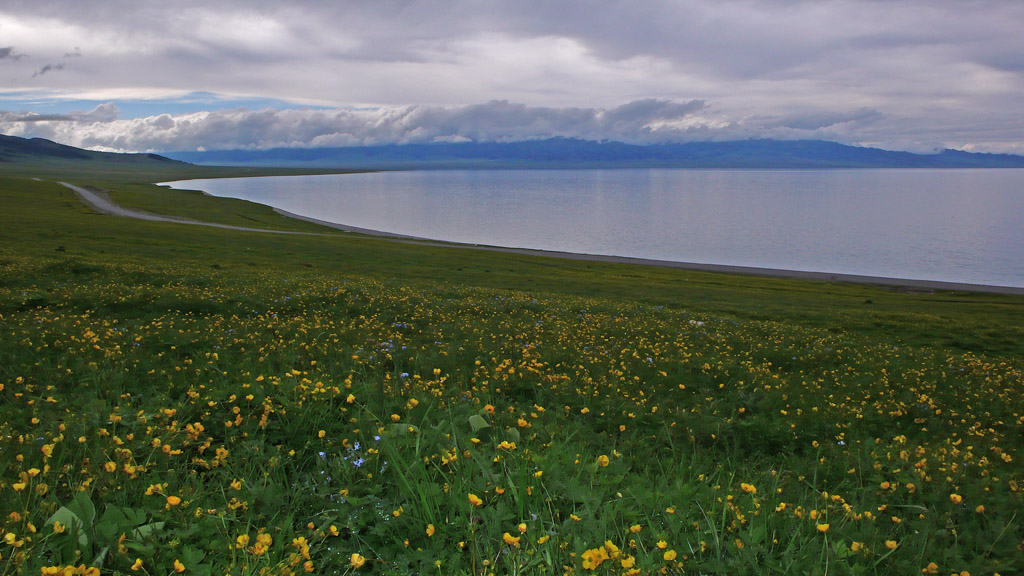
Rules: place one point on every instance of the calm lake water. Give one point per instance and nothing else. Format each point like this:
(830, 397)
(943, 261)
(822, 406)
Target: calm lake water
(948, 225)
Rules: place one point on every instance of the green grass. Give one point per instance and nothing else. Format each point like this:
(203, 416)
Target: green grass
(280, 386)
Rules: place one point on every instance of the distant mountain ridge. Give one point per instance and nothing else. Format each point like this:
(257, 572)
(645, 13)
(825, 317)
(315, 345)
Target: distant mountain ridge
(576, 153)
(549, 153)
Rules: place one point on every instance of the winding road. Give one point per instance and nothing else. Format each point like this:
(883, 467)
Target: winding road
(105, 206)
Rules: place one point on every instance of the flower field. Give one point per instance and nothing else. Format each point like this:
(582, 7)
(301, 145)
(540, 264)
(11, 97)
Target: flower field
(207, 422)
(161, 416)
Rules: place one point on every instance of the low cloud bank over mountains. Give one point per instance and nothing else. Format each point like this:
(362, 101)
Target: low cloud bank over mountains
(646, 121)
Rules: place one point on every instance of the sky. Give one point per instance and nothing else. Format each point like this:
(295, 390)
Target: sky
(134, 76)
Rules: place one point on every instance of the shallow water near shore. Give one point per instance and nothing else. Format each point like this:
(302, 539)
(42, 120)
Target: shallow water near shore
(945, 225)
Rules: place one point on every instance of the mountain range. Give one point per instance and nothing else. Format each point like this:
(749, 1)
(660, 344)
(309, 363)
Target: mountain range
(575, 153)
(550, 153)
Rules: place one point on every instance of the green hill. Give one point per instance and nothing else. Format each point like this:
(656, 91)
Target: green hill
(25, 150)
(48, 160)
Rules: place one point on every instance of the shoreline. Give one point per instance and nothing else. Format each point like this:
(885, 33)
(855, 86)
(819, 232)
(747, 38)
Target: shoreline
(105, 206)
(881, 281)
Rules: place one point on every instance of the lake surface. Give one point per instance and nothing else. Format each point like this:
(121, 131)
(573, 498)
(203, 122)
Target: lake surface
(948, 225)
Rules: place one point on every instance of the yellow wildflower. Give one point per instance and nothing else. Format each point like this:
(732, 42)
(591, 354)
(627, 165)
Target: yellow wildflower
(613, 550)
(594, 557)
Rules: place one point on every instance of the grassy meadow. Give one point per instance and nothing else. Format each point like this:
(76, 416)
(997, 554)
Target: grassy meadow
(182, 399)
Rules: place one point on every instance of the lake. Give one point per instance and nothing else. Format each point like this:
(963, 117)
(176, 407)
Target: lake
(946, 225)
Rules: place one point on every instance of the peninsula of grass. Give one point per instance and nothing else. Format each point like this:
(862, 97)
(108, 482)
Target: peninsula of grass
(185, 399)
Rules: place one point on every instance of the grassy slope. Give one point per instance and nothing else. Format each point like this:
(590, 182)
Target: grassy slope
(63, 265)
(992, 321)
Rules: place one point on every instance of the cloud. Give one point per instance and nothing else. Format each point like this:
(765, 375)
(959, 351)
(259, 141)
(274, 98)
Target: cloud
(642, 121)
(107, 112)
(499, 121)
(49, 68)
(57, 66)
(817, 120)
(8, 53)
(935, 70)
(540, 52)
